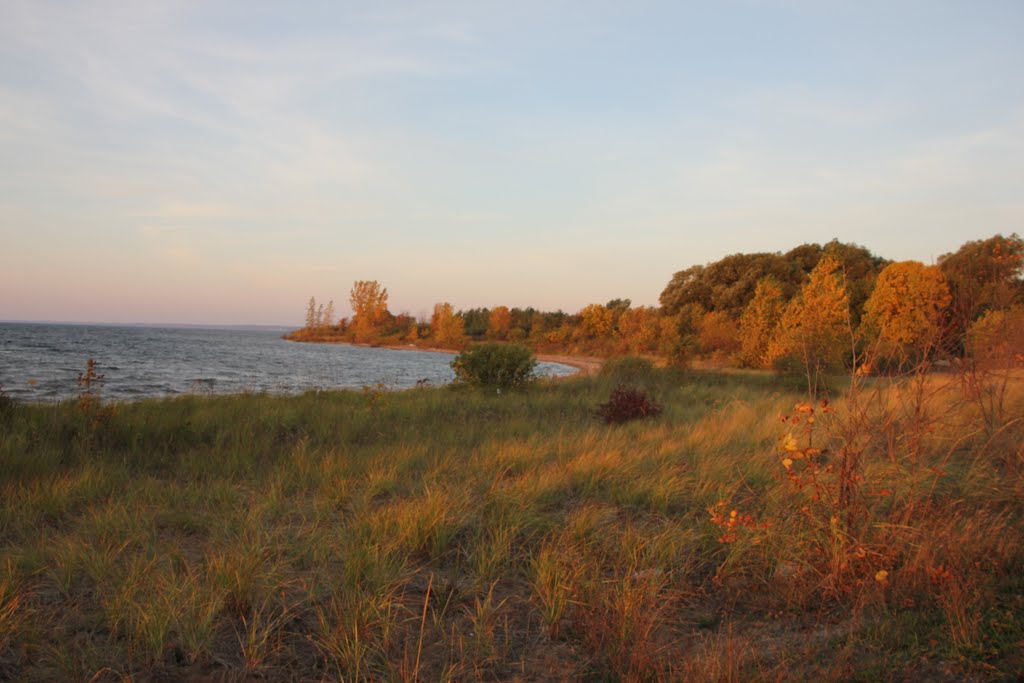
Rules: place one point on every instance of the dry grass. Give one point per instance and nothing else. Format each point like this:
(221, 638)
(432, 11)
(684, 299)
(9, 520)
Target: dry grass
(448, 535)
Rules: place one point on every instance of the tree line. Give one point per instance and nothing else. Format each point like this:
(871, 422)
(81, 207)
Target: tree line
(816, 308)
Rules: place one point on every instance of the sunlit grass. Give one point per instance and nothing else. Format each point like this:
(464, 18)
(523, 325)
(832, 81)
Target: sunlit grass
(442, 534)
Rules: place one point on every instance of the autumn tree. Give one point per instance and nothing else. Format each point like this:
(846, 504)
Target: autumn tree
(984, 275)
(813, 333)
(499, 323)
(672, 343)
(728, 285)
(311, 321)
(996, 339)
(522, 319)
(446, 327)
(639, 328)
(860, 269)
(370, 308)
(328, 317)
(538, 329)
(718, 333)
(759, 321)
(904, 313)
(596, 322)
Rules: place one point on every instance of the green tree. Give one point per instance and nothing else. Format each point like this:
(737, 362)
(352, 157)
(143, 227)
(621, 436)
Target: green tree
(495, 366)
(474, 322)
(728, 285)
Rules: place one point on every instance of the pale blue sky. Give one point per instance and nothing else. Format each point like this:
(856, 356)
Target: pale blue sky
(220, 162)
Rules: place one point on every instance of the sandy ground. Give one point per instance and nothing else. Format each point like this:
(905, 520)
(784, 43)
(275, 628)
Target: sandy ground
(587, 365)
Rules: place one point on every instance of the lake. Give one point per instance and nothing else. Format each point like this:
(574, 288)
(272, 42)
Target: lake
(42, 362)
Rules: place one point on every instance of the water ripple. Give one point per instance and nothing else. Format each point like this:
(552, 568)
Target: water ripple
(42, 362)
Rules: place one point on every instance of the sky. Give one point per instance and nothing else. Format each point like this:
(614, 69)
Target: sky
(220, 162)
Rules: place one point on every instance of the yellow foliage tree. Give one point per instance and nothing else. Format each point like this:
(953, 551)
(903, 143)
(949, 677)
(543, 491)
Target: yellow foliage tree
(446, 328)
(813, 333)
(369, 307)
(499, 322)
(639, 328)
(904, 312)
(596, 322)
(758, 322)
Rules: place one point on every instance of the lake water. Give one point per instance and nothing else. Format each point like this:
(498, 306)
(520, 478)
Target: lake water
(41, 362)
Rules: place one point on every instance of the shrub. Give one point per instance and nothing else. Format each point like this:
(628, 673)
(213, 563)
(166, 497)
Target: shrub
(627, 403)
(628, 369)
(495, 366)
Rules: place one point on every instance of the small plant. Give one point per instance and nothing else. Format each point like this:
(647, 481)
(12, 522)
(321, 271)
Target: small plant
(554, 582)
(7, 405)
(90, 381)
(90, 405)
(627, 403)
(495, 366)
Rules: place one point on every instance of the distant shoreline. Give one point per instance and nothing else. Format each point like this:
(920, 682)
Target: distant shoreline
(155, 326)
(588, 366)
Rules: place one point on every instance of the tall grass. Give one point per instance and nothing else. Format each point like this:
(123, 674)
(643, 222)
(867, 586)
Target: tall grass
(449, 534)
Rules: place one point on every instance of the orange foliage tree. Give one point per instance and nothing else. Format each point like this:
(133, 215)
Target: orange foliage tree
(596, 322)
(446, 328)
(904, 312)
(718, 333)
(499, 322)
(758, 323)
(639, 328)
(996, 339)
(369, 307)
(813, 333)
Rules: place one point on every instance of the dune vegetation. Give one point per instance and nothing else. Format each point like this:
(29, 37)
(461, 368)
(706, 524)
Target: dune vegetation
(740, 532)
(847, 506)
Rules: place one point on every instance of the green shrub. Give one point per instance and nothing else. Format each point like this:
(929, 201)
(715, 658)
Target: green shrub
(495, 366)
(629, 370)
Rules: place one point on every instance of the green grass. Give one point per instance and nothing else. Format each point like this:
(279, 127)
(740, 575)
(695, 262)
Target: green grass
(451, 534)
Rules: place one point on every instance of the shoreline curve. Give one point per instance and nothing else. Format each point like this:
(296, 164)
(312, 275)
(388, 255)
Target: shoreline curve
(588, 366)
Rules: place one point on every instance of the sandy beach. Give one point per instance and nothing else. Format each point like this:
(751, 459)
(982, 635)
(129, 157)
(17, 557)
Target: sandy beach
(587, 365)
